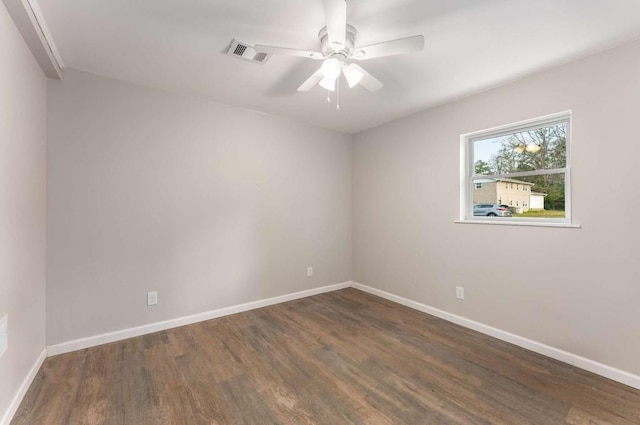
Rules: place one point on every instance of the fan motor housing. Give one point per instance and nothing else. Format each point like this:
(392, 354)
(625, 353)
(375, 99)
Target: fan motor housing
(349, 44)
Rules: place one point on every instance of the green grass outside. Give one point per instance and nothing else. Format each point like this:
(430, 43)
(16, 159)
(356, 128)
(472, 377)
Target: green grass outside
(541, 214)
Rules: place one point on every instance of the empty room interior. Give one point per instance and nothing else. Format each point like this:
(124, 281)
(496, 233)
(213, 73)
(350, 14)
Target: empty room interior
(319, 212)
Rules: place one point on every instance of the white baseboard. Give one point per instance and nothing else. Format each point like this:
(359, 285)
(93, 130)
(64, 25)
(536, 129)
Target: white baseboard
(618, 375)
(105, 338)
(555, 353)
(17, 399)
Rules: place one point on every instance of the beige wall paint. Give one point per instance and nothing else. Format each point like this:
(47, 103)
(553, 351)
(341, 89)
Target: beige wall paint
(584, 296)
(210, 205)
(22, 207)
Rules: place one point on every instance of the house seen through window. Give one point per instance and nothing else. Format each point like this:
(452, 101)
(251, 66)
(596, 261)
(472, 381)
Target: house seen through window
(523, 168)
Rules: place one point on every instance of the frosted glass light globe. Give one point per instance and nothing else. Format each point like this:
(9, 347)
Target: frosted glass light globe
(331, 68)
(328, 83)
(352, 74)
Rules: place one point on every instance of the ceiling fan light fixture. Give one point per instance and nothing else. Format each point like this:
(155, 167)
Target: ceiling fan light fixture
(328, 83)
(338, 46)
(331, 68)
(352, 75)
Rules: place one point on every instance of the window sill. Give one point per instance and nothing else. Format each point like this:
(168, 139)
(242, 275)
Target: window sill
(520, 223)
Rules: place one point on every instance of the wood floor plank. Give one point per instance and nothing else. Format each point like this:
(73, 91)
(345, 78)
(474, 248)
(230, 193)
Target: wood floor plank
(344, 357)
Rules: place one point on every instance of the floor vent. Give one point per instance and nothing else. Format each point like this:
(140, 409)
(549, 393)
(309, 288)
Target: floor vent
(246, 51)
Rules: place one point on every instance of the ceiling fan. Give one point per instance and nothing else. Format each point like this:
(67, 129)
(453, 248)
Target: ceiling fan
(338, 46)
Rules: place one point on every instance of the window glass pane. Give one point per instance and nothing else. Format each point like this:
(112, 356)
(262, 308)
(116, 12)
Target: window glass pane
(544, 197)
(491, 210)
(487, 201)
(547, 196)
(541, 148)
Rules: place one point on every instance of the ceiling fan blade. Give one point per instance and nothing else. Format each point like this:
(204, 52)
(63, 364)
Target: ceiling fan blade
(289, 52)
(312, 81)
(335, 12)
(389, 48)
(368, 81)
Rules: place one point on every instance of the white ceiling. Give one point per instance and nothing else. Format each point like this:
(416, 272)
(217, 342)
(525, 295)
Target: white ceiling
(470, 45)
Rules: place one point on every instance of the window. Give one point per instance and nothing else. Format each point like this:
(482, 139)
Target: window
(535, 155)
(478, 186)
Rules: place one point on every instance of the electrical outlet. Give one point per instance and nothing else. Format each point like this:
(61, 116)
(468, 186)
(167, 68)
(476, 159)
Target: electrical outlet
(309, 271)
(152, 298)
(4, 334)
(459, 292)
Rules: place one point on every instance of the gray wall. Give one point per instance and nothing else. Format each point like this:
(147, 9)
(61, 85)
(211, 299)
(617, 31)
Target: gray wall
(210, 205)
(22, 207)
(574, 289)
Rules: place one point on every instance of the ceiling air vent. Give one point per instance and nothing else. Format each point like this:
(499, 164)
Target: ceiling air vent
(246, 51)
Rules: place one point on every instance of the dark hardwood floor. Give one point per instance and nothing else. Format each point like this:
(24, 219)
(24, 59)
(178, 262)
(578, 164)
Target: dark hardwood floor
(344, 357)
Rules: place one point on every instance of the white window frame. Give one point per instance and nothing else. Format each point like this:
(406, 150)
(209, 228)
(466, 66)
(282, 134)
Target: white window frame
(467, 172)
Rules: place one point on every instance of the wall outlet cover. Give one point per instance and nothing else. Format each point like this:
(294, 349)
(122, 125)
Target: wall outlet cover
(152, 298)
